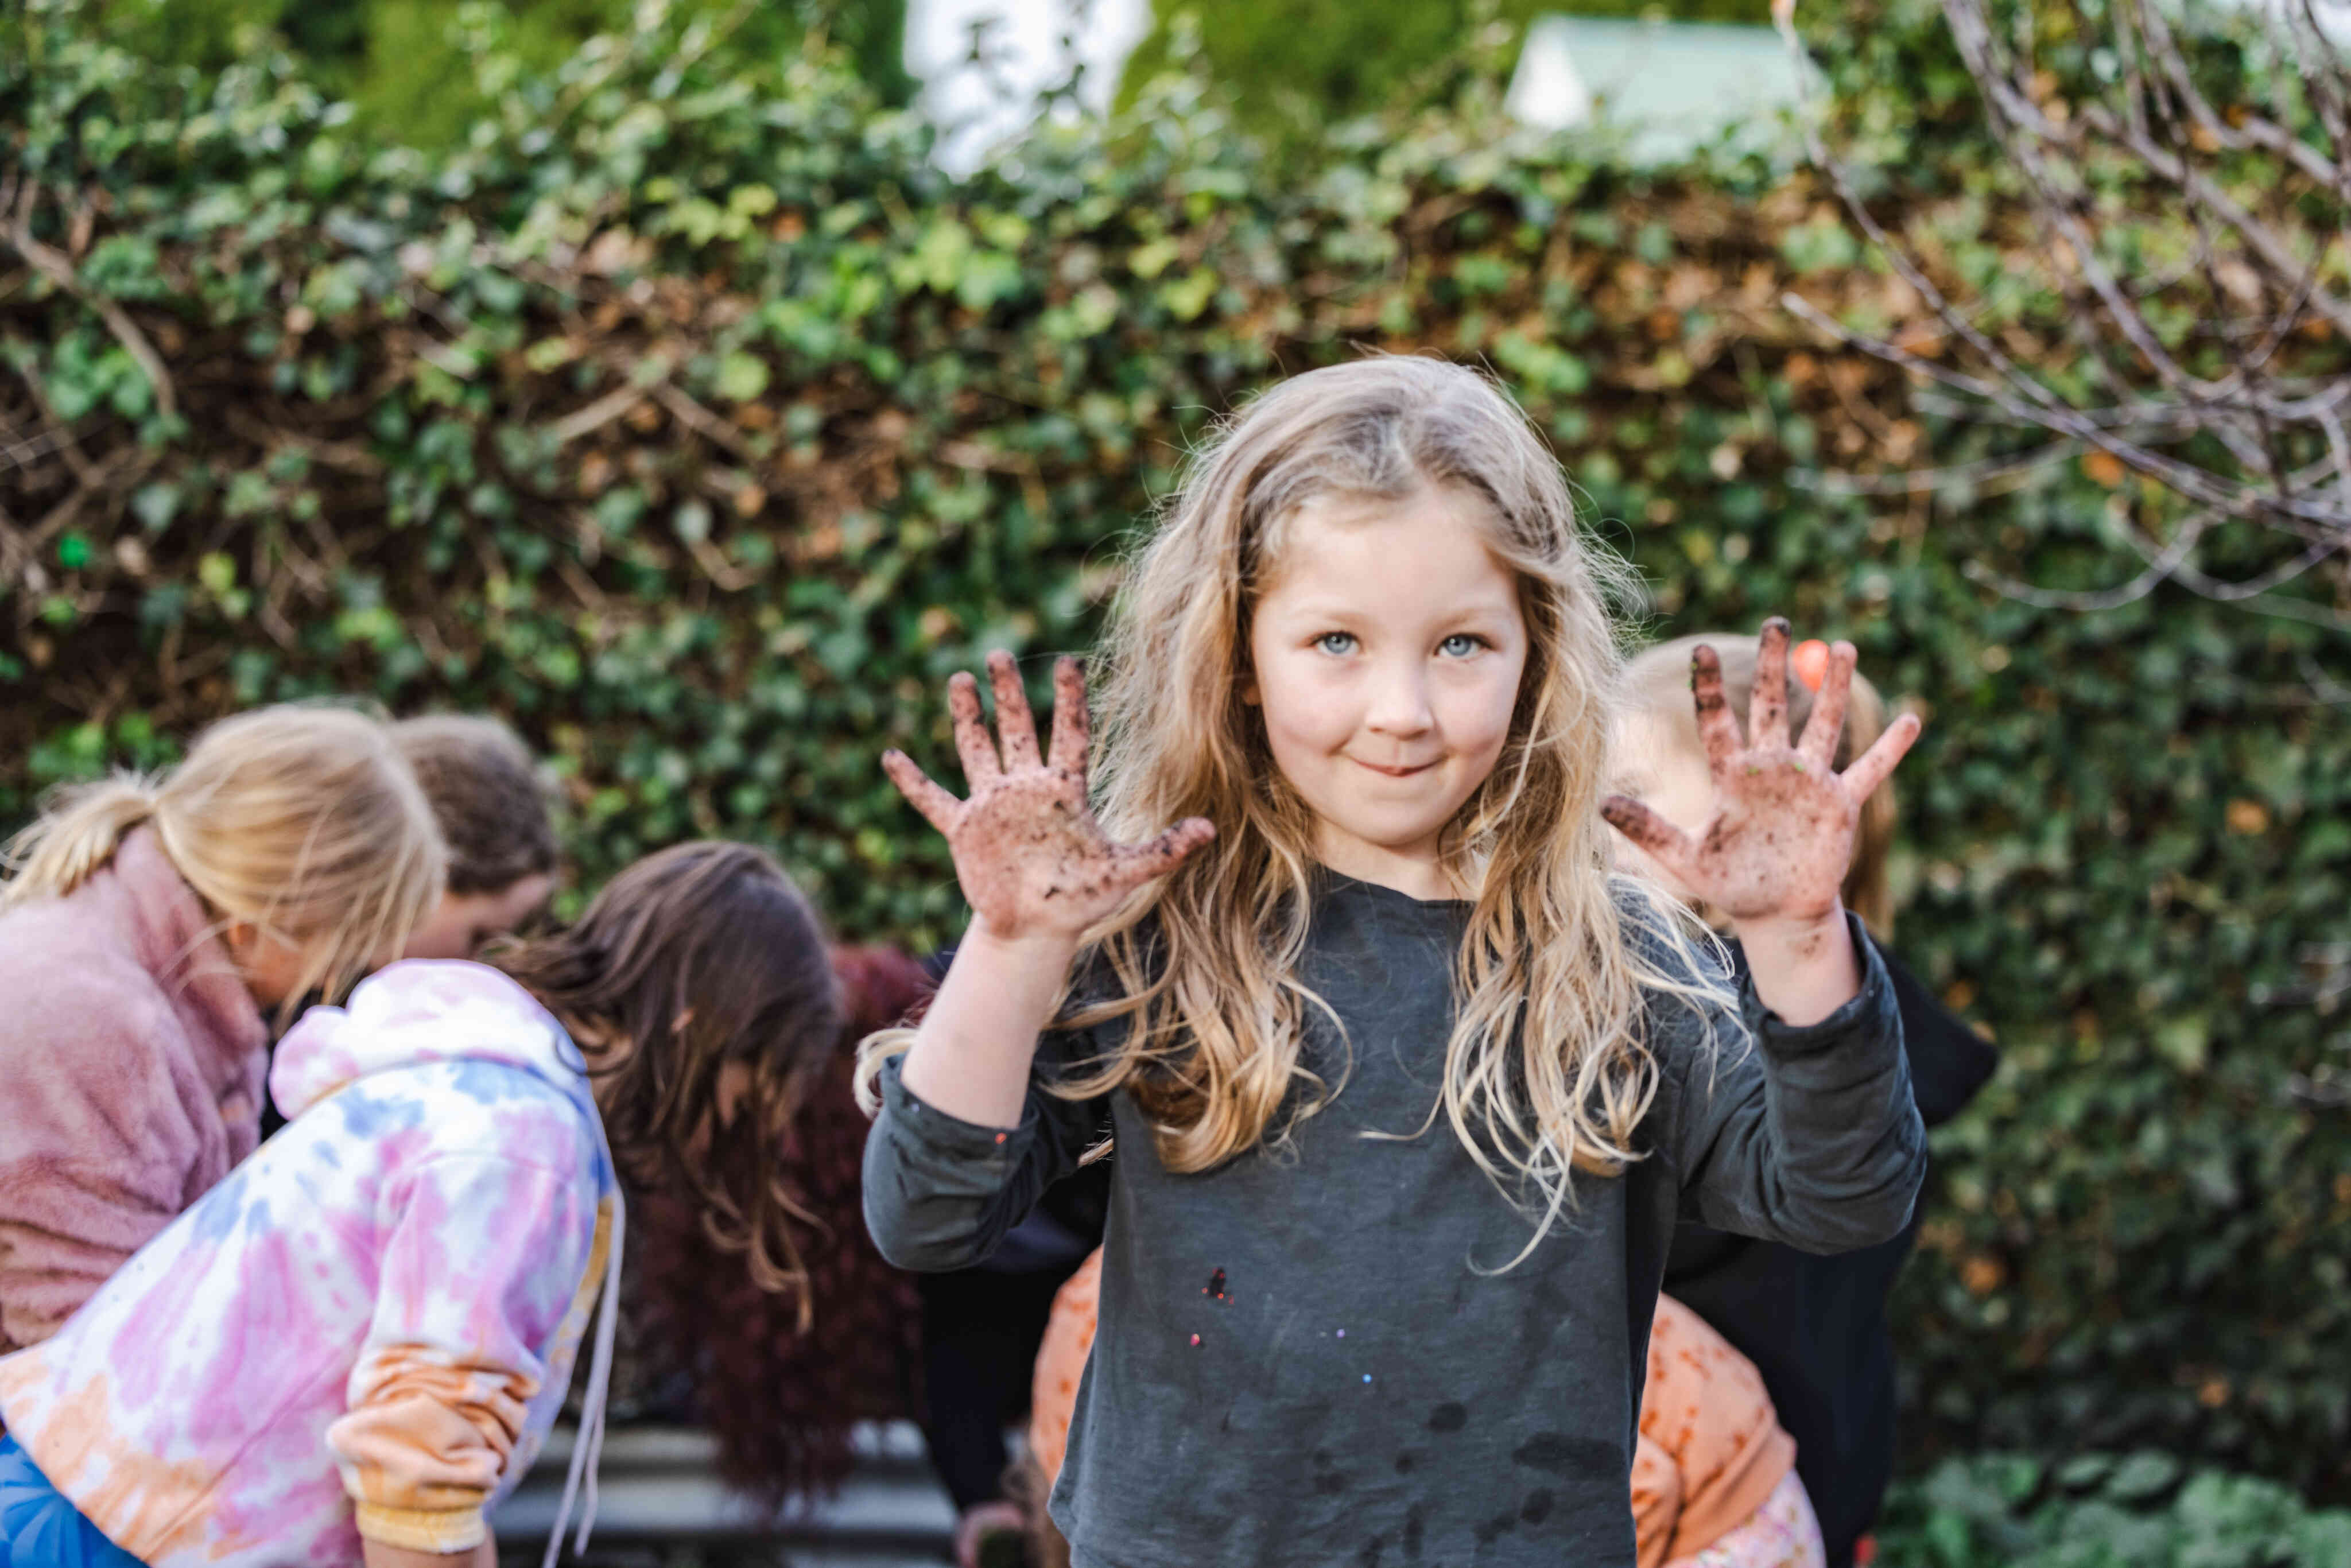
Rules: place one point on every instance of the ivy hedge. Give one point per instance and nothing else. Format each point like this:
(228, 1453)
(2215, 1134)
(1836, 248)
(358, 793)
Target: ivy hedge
(693, 422)
(2143, 1510)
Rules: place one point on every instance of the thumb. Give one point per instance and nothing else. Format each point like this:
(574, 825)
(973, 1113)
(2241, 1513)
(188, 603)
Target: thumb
(1135, 865)
(1666, 844)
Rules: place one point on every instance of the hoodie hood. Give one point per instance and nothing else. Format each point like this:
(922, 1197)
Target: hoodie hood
(423, 1010)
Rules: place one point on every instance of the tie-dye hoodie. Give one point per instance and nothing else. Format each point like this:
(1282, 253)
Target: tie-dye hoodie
(367, 1329)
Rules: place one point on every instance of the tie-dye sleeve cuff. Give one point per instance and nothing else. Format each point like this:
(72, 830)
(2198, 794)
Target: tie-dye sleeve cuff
(444, 1530)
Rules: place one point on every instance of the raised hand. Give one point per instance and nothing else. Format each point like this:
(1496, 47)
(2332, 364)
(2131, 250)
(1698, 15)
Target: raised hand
(1030, 857)
(1781, 832)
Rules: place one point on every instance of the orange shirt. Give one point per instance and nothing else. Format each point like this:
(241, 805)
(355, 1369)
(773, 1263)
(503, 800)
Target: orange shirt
(1710, 1448)
(1061, 1362)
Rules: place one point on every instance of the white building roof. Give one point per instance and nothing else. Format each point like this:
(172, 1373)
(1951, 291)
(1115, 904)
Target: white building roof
(1669, 85)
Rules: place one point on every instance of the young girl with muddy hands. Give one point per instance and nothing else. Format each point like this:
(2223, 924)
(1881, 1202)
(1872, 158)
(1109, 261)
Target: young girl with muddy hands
(1365, 669)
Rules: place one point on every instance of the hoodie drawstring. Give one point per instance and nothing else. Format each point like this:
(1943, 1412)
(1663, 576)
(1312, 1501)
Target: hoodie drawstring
(588, 1450)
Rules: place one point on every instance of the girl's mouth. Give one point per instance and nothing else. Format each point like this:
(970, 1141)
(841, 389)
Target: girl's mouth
(1403, 771)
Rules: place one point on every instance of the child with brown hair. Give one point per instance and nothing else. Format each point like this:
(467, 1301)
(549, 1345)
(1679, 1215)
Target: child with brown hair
(149, 926)
(351, 1348)
(1814, 1326)
(492, 805)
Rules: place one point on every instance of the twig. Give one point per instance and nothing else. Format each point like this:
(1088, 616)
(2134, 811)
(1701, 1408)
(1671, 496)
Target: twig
(586, 422)
(703, 422)
(53, 265)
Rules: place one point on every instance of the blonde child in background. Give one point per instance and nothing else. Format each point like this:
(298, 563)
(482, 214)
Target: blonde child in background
(148, 928)
(1814, 1327)
(1408, 1092)
(351, 1348)
(492, 805)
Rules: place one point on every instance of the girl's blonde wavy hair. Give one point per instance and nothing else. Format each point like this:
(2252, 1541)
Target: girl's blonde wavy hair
(1546, 1072)
(304, 821)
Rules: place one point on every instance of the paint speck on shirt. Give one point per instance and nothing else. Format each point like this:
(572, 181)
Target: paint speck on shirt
(1196, 1339)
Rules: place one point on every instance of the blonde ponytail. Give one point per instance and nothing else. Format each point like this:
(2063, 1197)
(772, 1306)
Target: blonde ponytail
(75, 837)
(302, 821)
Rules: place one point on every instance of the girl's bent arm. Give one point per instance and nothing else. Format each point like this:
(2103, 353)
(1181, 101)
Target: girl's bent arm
(972, 1052)
(489, 1259)
(966, 1138)
(1811, 1137)
(940, 1189)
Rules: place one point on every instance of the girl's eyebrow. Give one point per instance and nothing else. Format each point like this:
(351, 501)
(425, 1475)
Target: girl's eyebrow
(1331, 609)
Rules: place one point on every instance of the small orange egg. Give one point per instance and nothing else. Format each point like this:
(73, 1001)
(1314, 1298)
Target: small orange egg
(1810, 660)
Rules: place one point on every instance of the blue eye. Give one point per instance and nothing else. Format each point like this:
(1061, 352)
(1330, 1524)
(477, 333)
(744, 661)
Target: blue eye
(1460, 645)
(1336, 641)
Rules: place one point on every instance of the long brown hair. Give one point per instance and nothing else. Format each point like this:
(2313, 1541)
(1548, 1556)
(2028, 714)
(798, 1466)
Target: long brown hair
(779, 1393)
(699, 958)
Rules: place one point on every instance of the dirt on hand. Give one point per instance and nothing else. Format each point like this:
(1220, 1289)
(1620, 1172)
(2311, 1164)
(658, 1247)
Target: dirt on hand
(1029, 853)
(1781, 833)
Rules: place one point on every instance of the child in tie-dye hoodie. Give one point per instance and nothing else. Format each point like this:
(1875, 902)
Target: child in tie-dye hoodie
(354, 1345)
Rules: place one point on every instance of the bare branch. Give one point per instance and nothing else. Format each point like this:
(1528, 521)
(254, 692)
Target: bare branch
(54, 266)
(2192, 252)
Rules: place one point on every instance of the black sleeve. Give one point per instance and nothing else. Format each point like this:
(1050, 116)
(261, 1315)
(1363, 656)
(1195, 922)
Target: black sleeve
(1949, 1060)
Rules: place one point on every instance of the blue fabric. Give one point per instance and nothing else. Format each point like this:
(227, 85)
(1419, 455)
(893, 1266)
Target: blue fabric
(39, 1529)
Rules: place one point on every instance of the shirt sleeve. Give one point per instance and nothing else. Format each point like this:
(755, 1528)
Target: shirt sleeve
(940, 1192)
(1805, 1135)
(488, 1260)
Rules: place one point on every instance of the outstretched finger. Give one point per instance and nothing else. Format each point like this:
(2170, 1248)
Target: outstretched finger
(1131, 865)
(1016, 726)
(1666, 844)
(1870, 768)
(1767, 711)
(1821, 731)
(934, 803)
(979, 753)
(1716, 727)
(1072, 726)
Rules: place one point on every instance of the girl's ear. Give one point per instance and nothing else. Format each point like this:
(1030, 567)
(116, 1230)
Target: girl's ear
(678, 1024)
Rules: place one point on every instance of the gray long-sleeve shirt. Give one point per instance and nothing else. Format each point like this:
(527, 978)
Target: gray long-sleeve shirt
(1312, 1354)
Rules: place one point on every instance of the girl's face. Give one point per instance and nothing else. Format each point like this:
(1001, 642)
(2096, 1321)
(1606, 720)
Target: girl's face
(1385, 654)
(273, 967)
(464, 921)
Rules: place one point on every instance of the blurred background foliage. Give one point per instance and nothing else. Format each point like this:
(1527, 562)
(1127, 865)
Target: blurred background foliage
(683, 414)
(405, 65)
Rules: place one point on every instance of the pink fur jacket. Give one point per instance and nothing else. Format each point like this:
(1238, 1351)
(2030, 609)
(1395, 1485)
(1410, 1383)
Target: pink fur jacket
(132, 1062)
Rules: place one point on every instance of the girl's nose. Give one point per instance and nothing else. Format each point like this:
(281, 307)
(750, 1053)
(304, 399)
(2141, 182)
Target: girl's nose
(1399, 701)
